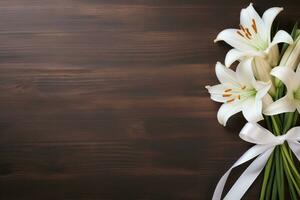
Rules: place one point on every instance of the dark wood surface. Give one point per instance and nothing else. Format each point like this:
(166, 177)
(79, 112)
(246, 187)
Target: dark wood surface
(105, 99)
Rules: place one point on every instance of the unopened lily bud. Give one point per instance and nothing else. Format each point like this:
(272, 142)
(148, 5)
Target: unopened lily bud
(291, 56)
(262, 68)
(273, 56)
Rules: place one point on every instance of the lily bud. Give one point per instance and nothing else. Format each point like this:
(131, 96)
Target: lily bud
(291, 56)
(273, 56)
(262, 68)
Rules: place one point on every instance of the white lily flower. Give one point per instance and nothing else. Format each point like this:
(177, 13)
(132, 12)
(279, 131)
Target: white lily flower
(239, 91)
(291, 101)
(253, 39)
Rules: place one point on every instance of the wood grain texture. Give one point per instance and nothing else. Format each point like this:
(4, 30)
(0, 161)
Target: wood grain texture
(105, 99)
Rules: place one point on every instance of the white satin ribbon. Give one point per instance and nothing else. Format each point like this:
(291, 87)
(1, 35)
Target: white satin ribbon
(265, 143)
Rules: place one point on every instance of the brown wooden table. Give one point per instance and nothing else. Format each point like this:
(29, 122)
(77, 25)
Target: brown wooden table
(105, 99)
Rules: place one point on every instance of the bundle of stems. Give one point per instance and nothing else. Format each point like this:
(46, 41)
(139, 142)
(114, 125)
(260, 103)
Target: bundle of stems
(281, 167)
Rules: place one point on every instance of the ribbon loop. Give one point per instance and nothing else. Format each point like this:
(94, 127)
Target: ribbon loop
(256, 134)
(265, 144)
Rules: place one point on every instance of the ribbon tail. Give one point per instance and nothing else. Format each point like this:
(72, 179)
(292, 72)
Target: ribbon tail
(219, 189)
(248, 177)
(248, 155)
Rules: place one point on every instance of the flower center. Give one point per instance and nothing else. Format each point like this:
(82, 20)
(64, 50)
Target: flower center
(251, 34)
(244, 31)
(238, 93)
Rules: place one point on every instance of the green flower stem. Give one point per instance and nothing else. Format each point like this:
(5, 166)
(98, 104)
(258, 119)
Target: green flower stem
(290, 162)
(276, 124)
(290, 175)
(293, 194)
(278, 185)
(268, 123)
(279, 174)
(270, 183)
(296, 115)
(266, 177)
(282, 180)
(274, 189)
(288, 121)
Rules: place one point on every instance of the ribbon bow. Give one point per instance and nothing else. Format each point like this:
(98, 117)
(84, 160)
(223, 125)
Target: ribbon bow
(265, 144)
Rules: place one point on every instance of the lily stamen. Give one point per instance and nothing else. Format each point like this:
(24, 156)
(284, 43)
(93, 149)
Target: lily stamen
(227, 95)
(238, 32)
(248, 31)
(244, 32)
(230, 100)
(247, 35)
(254, 25)
(237, 93)
(242, 28)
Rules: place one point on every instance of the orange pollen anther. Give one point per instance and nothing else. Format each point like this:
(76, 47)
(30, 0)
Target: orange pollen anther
(254, 25)
(248, 32)
(227, 95)
(242, 28)
(228, 90)
(239, 97)
(230, 100)
(238, 32)
(244, 87)
(248, 36)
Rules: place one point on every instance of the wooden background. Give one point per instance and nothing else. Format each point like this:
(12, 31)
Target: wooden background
(105, 99)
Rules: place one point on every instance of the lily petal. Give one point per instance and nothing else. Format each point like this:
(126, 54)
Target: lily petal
(252, 110)
(248, 15)
(231, 37)
(262, 89)
(269, 16)
(286, 75)
(216, 92)
(281, 37)
(244, 72)
(282, 105)
(224, 74)
(232, 56)
(227, 110)
(267, 100)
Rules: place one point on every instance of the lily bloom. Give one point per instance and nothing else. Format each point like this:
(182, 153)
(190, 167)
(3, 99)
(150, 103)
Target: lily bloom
(239, 91)
(291, 101)
(253, 39)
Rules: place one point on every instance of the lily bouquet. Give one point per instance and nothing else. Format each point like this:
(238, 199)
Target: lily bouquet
(265, 87)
